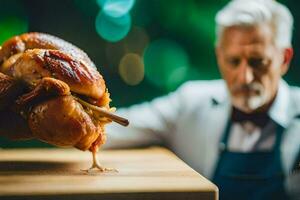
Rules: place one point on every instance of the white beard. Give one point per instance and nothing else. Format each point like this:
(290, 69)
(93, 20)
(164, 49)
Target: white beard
(253, 102)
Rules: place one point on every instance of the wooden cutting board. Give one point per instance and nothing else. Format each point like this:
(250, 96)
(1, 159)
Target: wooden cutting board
(152, 173)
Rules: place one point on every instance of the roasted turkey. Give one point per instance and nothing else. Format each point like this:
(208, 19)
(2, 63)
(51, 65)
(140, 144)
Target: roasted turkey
(50, 90)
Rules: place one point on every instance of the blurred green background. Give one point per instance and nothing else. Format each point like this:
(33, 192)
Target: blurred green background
(143, 48)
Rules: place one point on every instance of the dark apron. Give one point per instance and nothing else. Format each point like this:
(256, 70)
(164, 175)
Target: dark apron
(254, 175)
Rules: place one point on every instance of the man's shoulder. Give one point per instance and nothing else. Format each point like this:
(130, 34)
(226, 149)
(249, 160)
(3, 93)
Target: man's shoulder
(292, 95)
(200, 86)
(295, 91)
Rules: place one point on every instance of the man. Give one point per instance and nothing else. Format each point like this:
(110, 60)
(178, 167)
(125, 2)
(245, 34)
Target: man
(242, 132)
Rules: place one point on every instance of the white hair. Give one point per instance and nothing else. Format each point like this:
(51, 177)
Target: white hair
(255, 12)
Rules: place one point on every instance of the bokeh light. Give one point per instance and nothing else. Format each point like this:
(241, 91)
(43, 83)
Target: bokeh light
(112, 29)
(13, 19)
(135, 42)
(176, 77)
(131, 69)
(166, 64)
(10, 26)
(113, 22)
(116, 8)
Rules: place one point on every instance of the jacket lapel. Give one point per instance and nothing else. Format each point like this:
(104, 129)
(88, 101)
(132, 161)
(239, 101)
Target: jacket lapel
(213, 128)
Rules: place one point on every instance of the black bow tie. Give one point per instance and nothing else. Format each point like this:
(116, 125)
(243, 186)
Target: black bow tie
(259, 119)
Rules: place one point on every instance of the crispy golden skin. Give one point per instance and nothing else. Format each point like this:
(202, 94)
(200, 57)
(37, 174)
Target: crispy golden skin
(34, 40)
(62, 121)
(35, 64)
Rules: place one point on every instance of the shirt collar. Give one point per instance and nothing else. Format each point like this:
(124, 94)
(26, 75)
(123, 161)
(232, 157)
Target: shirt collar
(279, 111)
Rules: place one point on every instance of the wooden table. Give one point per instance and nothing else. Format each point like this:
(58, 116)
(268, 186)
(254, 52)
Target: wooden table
(152, 173)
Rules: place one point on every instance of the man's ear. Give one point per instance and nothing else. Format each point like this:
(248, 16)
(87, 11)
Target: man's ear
(288, 55)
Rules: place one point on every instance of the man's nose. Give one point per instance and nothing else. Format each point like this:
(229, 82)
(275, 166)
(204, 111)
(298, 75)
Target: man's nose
(246, 74)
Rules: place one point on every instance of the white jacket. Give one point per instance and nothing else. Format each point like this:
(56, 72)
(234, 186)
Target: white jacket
(191, 120)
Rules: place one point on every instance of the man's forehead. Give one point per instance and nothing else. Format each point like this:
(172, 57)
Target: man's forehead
(246, 36)
(249, 40)
(247, 50)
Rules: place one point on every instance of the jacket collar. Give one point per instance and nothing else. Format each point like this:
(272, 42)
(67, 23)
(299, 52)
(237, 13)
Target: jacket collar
(281, 111)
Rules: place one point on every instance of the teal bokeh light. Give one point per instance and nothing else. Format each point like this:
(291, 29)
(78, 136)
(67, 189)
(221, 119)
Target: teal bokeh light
(112, 29)
(116, 8)
(166, 64)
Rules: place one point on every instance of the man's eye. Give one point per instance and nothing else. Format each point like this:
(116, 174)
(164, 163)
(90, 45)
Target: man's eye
(234, 61)
(257, 62)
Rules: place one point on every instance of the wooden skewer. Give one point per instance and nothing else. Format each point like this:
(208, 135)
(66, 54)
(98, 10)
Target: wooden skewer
(120, 120)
